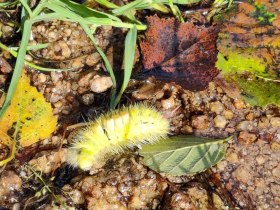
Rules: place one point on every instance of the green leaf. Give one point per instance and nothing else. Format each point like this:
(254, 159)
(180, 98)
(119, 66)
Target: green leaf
(183, 155)
(257, 91)
(245, 61)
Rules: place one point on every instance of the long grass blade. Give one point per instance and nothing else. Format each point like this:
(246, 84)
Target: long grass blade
(107, 4)
(129, 53)
(31, 47)
(18, 67)
(6, 4)
(29, 64)
(83, 10)
(26, 7)
(128, 7)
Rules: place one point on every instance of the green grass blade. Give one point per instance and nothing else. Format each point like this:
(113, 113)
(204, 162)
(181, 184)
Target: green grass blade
(83, 10)
(32, 65)
(18, 67)
(32, 47)
(6, 4)
(39, 8)
(65, 13)
(26, 7)
(129, 14)
(107, 4)
(129, 53)
(40, 68)
(128, 7)
(99, 21)
(23, 17)
(47, 17)
(37, 47)
(160, 7)
(182, 2)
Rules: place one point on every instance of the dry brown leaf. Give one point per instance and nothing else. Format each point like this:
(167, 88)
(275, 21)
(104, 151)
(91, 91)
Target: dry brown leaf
(180, 52)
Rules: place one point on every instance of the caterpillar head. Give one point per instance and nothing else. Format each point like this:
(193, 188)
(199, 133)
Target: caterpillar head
(76, 157)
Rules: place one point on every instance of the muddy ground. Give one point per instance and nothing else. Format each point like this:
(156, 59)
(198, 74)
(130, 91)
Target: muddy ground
(247, 178)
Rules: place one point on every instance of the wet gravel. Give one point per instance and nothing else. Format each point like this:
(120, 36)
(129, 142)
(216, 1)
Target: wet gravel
(250, 172)
(69, 46)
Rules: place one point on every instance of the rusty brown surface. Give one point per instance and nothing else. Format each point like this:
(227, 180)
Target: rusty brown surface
(180, 52)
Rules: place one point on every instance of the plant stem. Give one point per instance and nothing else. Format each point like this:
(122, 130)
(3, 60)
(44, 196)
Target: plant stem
(18, 67)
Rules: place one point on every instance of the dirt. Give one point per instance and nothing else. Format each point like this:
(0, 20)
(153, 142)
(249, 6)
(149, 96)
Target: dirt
(247, 178)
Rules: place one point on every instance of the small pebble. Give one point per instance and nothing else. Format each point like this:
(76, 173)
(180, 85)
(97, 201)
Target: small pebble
(228, 114)
(220, 121)
(246, 137)
(275, 121)
(222, 165)
(217, 107)
(92, 59)
(260, 159)
(275, 189)
(276, 171)
(267, 137)
(77, 197)
(77, 63)
(48, 163)
(42, 78)
(55, 98)
(275, 146)
(56, 76)
(250, 116)
(58, 104)
(9, 181)
(245, 126)
(263, 122)
(5, 67)
(88, 99)
(232, 158)
(52, 35)
(243, 174)
(85, 80)
(65, 50)
(186, 129)
(6, 30)
(28, 58)
(149, 90)
(101, 84)
(200, 122)
(67, 31)
(230, 130)
(182, 201)
(168, 103)
(239, 104)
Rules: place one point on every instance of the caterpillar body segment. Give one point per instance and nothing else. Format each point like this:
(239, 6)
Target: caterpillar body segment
(115, 131)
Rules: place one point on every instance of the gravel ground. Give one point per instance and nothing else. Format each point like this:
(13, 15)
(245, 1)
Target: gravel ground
(249, 174)
(69, 45)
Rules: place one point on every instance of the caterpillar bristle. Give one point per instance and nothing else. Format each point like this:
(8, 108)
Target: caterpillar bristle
(116, 131)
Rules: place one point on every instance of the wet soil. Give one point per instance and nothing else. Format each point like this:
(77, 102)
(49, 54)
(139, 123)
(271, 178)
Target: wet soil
(247, 178)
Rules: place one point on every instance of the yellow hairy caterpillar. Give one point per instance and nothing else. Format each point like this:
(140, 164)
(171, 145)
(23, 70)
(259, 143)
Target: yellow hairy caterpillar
(115, 131)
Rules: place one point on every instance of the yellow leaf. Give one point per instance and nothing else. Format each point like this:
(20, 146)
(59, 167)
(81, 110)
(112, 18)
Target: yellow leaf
(29, 117)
